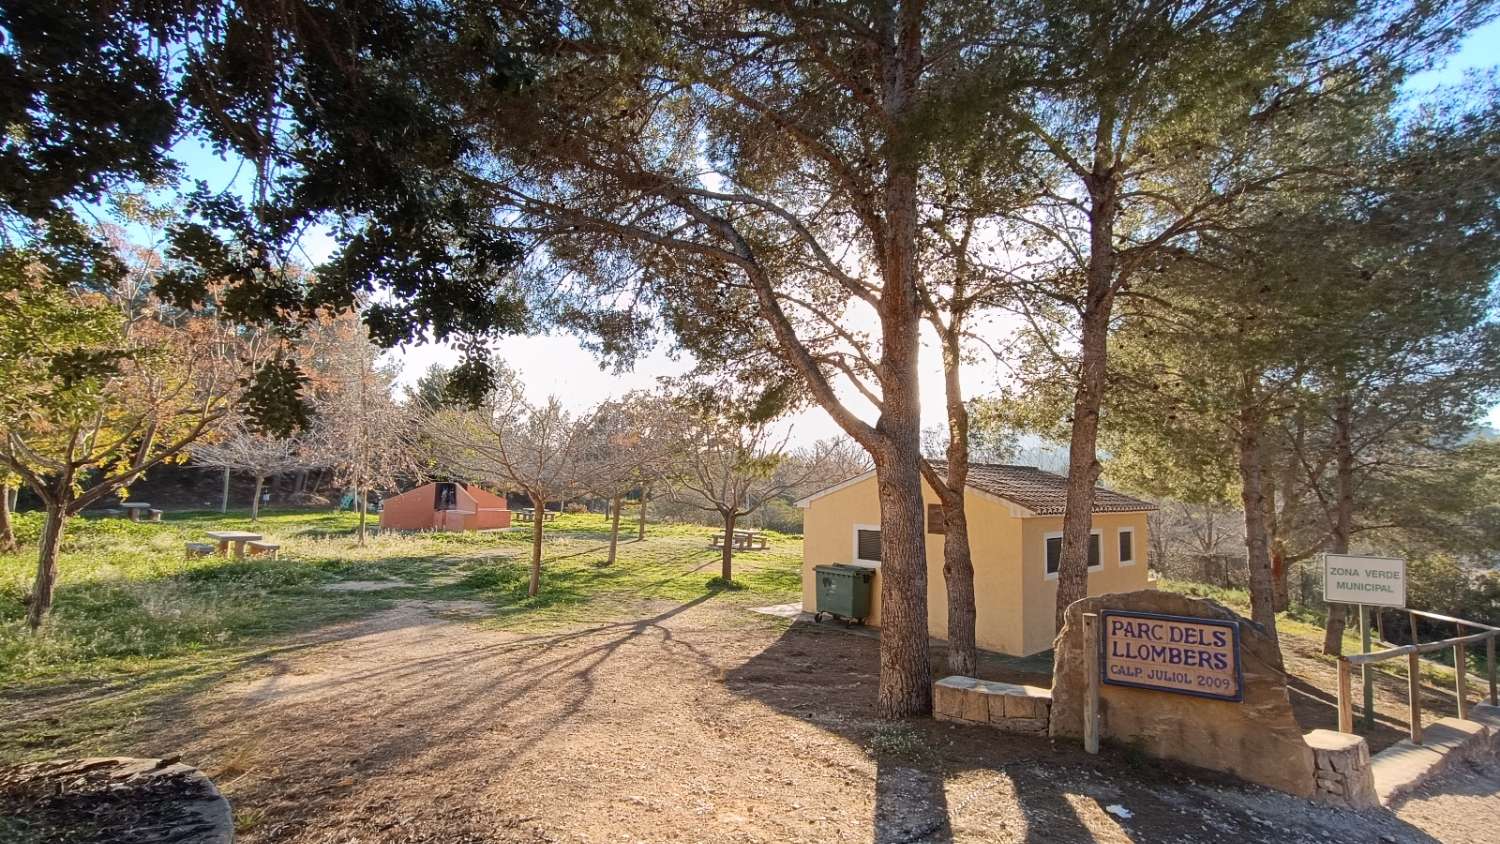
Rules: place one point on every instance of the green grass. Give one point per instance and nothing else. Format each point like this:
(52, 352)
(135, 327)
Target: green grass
(135, 622)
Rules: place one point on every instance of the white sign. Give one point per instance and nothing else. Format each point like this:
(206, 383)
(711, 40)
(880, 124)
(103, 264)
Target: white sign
(1377, 581)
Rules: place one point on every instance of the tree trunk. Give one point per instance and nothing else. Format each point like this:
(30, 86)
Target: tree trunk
(7, 531)
(364, 509)
(255, 502)
(39, 602)
(641, 525)
(1088, 397)
(539, 511)
(224, 499)
(1343, 515)
(905, 661)
(1280, 595)
(1252, 495)
(958, 573)
(614, 528)
(1083, 460)
(958, 563)
(726, 558)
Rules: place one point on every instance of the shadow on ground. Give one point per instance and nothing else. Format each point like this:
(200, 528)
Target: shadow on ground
(938, 782)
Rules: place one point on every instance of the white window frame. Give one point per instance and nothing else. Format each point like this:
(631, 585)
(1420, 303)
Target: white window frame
(1124, 562)
(854, 546)
(1044, 540)
(1052, 575)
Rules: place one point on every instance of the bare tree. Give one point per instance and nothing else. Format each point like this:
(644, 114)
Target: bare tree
(361, 431)
(630, 449)
(240, 449)
(733, 468)
(539, 450)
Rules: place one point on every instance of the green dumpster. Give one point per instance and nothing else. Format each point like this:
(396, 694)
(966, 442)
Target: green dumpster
(843, 592)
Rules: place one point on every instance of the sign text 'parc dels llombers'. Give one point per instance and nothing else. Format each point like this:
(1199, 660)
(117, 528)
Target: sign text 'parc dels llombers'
(1377, 581)
(1171, 653)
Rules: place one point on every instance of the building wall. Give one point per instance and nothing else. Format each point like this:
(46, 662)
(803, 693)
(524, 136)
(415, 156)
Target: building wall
(411, 510)
(488, 511)
(1039, 592)
(1013, 600)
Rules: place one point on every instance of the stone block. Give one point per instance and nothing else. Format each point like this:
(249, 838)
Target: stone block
(1020, 706)
(1026, 725)
(948, 696)
(976, 706)
(1403, 766)
(1256, 738)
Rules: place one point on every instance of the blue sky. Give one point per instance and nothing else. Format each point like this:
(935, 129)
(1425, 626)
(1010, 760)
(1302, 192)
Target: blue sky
(558, 365)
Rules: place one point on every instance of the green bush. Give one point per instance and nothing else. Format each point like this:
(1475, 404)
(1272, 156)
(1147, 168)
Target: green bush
(782, 517)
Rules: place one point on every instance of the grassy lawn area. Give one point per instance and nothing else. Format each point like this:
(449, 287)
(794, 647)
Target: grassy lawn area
(136, 621)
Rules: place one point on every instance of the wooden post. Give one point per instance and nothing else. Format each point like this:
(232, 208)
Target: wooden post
(1346, 694)
(1489, 664)
(1412, 617)
(1414, 691)
(1461, 678)
(1379, 624)
(1367, 714)
(1091, 682)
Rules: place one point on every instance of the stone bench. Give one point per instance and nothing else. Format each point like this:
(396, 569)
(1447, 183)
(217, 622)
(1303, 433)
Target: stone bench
(257, 549)
(155, 515)
(1006, 706)
(200, 549)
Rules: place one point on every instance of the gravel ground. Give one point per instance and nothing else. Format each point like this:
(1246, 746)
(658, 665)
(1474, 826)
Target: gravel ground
(689, 723)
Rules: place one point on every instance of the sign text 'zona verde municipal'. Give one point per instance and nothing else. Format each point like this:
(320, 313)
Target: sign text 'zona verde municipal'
(1171, 653)
(1377, 581)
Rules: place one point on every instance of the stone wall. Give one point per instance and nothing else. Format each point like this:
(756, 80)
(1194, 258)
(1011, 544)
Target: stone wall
(1006, 706)
(1256, 739)
(1344, 776)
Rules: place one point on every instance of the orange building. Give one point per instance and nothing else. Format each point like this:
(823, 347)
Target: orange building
(445, 505)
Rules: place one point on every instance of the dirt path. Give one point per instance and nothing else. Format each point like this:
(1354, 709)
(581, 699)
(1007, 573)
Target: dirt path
(696, 723)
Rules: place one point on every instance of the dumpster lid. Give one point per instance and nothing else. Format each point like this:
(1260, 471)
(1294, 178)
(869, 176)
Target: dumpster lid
(842, 568)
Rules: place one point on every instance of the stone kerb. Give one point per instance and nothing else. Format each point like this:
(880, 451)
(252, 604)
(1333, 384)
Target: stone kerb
(1006, 706)
(1257, 738)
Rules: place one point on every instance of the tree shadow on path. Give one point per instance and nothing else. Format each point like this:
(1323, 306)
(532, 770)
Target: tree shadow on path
(938, 782)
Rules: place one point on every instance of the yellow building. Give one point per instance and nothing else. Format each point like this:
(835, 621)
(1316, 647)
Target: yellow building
(1015, 538)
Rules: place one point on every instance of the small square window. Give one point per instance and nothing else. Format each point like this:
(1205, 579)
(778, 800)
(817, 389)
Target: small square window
(1127, 546)
(937, 520)
(1054, 553)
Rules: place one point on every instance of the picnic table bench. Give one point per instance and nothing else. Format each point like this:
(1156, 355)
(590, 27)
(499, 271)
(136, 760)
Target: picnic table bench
(238, 538)
(261, 548)
(526, 514)
(134, 510)
(744, 540)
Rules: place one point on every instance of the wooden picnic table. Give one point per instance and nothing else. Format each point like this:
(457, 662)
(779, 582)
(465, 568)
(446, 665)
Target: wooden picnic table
(238, 537)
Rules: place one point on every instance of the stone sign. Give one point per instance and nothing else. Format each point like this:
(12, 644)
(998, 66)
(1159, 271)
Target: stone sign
(1256, 738)
(1171, 653)
(1376, 581)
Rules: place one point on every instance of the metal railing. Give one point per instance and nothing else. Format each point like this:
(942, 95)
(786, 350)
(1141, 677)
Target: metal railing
(1413, 652)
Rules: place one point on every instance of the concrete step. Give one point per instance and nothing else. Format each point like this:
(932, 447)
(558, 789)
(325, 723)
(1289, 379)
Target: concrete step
(1403, 766)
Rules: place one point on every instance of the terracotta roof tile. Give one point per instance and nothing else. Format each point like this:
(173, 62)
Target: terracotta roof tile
(1043, 493)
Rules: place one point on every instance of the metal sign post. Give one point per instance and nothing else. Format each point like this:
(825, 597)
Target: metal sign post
(1368, 716)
